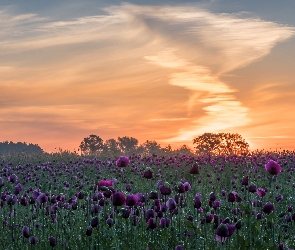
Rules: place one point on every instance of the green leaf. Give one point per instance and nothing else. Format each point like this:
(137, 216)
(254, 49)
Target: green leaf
(258, 225)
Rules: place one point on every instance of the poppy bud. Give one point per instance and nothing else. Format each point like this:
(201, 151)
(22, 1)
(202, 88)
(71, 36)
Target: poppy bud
(165, 222)
(195, 169)
(33, 240)
(152, 223)
(94, 222)
(26, 232)
(52, 241)
(171, 204)
(268, 208)
(89, 231)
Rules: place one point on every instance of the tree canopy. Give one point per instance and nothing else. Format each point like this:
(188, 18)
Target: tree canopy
(220, 143)
(127, 144)
(92, 144)
(19, 147)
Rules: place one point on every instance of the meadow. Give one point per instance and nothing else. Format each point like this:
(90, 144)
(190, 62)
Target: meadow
(65, 201)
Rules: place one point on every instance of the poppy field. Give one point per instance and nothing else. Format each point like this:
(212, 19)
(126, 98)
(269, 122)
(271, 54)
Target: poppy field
(65, 201)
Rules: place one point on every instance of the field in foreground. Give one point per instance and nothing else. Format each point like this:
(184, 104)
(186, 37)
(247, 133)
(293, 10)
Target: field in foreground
(148, 202)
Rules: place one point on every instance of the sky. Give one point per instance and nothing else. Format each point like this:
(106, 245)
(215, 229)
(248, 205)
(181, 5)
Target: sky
(167, 71)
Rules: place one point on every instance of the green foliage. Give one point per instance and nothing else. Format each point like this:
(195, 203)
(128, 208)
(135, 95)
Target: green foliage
(221, 144)
(49, 172)
(127, 145)
(19, 147)
(91, 145)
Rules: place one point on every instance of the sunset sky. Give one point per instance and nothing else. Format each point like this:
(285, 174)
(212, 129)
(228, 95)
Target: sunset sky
(166, 72)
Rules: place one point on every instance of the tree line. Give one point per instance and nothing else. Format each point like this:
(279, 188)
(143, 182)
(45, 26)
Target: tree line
(19, 147)
(94, 145)
(213, 143)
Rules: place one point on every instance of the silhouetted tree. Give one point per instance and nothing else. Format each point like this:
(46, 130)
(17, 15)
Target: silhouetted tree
(92, 144)
(20, 147)
(221, 143)
(152, 147)
(111, 148)
(184, 150)
(127, 145)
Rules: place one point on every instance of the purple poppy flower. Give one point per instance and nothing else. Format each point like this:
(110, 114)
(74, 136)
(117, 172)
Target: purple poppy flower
(148, 173)
(141, 197)
(231, 197)
(223, 192)
(118, 199)
(42, 198)
(268, 208)
(128, 188)
(171, 204)
(89, 231)
(179, 247)
(195, 169)
(52, 241)
(94, 222)
(156, 205)
(23, 201)
(187, 186)
(180, 188)
(33, 240)
(288, 218)
(152, 223)
(252, 188)
(279, 197)
(150, 213)
(231, 229)
(26, 232)
(131, 200)
(11, 199)
(165, 189)
(153, 195)
(261, 192)
(13, 178)
(165, 222)
(110, 222)
(222, 230)
(105, 183)
(35, 194)
(135, 220)
(123, 162)
(216, 204)
(281, 246)
(212, 197)
(197, 201)
(209, 218)
(245, 181)
(273, 167)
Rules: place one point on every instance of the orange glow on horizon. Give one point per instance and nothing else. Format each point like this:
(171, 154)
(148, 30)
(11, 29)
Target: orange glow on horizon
(163, 73)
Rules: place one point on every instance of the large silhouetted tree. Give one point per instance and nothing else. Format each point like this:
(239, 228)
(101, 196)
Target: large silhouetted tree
(152, 147)
(92, 144)
(111, 148)
(127, 144)
(220, 143)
